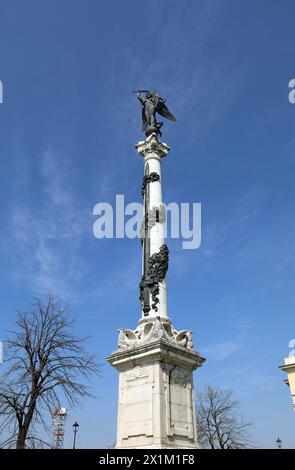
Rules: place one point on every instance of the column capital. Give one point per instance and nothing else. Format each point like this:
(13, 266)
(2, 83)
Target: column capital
(152, 145)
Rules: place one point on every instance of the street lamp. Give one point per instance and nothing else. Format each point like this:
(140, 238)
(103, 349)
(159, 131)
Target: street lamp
(75, 429)
(279, 443)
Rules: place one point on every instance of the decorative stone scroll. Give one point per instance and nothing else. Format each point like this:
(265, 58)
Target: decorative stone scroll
(154, 330)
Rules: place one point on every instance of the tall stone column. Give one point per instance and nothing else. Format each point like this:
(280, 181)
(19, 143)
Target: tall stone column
(156, 403)
(153, 291)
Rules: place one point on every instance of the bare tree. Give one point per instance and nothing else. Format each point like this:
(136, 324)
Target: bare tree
(218, 421)
(45, 363)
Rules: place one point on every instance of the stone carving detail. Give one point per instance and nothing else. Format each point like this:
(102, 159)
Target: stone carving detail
(126, 338)
(152, 331)
(135, 373)
(180, 376)
(156, 272)
(152, 145)
(154, 176)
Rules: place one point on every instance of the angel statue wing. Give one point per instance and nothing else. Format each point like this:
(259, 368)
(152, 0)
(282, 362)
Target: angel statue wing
(164, 111)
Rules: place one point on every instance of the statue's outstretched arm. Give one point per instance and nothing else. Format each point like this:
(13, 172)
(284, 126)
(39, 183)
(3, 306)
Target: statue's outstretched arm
(140, 99)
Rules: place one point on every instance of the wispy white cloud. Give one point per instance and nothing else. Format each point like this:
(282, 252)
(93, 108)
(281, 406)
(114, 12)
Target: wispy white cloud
(45, 238)
(223, 350)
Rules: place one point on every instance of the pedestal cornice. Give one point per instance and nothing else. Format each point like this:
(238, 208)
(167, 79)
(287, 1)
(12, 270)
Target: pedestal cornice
(159, 350)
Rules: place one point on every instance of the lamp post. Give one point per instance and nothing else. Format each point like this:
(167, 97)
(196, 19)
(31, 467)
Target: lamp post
(75, 429)
(279, 443)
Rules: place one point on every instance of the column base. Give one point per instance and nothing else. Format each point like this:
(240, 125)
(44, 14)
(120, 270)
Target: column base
(156, 396)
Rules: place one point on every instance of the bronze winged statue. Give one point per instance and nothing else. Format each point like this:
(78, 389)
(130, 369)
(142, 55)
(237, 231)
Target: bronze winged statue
(152, 104)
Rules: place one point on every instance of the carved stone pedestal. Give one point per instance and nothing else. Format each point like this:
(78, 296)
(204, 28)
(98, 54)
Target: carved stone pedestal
(156, 406)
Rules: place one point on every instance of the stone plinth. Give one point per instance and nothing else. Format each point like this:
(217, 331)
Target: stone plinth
(156, 405)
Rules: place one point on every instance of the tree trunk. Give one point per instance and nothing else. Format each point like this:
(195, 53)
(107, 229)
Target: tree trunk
(21, 438)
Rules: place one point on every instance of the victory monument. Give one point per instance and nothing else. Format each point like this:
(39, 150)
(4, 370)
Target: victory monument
(156, 405)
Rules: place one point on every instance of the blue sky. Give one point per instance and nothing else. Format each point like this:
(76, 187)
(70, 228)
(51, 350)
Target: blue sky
(68, 127)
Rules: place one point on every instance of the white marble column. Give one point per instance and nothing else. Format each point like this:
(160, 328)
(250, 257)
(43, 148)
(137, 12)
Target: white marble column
(152, 151)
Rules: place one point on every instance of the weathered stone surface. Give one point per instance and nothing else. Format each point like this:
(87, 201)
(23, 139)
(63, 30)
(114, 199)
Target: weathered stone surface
(156, 406)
